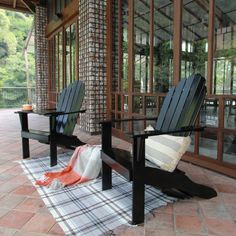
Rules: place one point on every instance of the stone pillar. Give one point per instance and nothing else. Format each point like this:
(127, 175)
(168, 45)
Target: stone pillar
(41, 56)
(92, 62)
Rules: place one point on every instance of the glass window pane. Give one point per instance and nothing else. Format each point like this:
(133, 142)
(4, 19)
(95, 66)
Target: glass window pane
(230, 114)
(141, 45)
(163, 46)
(151, 106)
(68, 56)
(125, 72)
(113, 118)
(73, 52)
(118, 124)
(113, 102)
(119, 102)
(125, 46)
(224, 79)
(191, 146)
(209, 112)
(208, 144)
(229, 149)
(56, 63)
(137, 104)
(125, 103)
(60, 61)
(125, 125)
(194, 38)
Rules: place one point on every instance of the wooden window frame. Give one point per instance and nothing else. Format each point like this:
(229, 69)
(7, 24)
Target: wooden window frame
(218, 164)
(69, 16)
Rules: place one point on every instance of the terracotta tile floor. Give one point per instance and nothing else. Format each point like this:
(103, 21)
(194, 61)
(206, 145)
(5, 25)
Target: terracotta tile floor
(22, 211)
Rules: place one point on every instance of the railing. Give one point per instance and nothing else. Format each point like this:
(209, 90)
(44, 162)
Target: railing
(13, 97)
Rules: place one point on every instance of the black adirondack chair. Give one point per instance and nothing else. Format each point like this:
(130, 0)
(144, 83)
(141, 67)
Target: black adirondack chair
(177, 116)
(62, 122)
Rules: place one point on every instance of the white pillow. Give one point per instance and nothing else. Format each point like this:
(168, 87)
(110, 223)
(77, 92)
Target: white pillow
(165, 151)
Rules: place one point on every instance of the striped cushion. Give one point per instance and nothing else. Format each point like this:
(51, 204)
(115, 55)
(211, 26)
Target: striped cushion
(165, 151)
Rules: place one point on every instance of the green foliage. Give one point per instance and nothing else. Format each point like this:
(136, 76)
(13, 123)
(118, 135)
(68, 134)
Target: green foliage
(4, 21)
(14, 30)
(7, 38)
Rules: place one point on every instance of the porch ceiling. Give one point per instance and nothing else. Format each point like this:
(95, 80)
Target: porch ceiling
(19, 5)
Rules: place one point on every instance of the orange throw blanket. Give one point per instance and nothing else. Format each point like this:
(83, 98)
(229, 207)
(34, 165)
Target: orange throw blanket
(85, 164)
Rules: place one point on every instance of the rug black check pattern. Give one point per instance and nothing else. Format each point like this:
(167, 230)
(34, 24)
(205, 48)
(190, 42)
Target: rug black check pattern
(86, 209)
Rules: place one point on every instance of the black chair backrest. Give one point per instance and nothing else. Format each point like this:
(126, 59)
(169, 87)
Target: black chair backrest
(70, 100)
(182, 104)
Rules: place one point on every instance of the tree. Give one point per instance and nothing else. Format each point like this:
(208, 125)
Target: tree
(7, 38)
(14, 30)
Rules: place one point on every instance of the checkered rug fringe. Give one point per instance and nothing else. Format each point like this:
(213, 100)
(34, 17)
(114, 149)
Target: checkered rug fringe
(86, 209)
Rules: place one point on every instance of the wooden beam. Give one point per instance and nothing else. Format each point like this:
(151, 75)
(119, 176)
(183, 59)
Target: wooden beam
(211, 35)
(14, 3)
(177, 40)
(69, 12)
(151, 52)
(28, 4)
(120, 46)
(130, 60)
(18, 8)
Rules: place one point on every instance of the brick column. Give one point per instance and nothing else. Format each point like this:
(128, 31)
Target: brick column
(115, 60)
(41, 55)
(92, 62)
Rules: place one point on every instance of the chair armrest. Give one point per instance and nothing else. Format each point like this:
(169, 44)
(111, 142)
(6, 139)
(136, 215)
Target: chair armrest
(57, 113)
(128, 119)
(38, 112)
(146, 134)
(49, 112)
(23, 112)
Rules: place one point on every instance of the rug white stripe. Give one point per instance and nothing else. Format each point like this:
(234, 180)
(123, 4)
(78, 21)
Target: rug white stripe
(85, 209)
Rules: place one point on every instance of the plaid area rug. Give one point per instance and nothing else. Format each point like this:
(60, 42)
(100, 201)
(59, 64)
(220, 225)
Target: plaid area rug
(86, 209)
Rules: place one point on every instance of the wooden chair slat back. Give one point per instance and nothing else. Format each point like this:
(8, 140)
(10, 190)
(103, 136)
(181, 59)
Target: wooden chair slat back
(193, 105)
(182, 104)
(70, 100)
(62, 104)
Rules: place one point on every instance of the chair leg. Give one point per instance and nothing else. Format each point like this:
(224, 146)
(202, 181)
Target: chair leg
(106, 176)
(53, 154)
(138, 201)
(25, 148)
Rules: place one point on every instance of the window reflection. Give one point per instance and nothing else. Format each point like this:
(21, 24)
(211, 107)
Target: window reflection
(70, 53)
(209, 112)
(194, 38)
(208, 144)
(137, 107)
(163, 46)
(224, 78)
(60, 62)
(191, 146)
(73, 51)
(141, 41)
(229, 149)
(230, 114)
(68, 57)
(151, 106)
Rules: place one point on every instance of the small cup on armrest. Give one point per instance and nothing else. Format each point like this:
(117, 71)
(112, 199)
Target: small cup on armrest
(27, 107)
